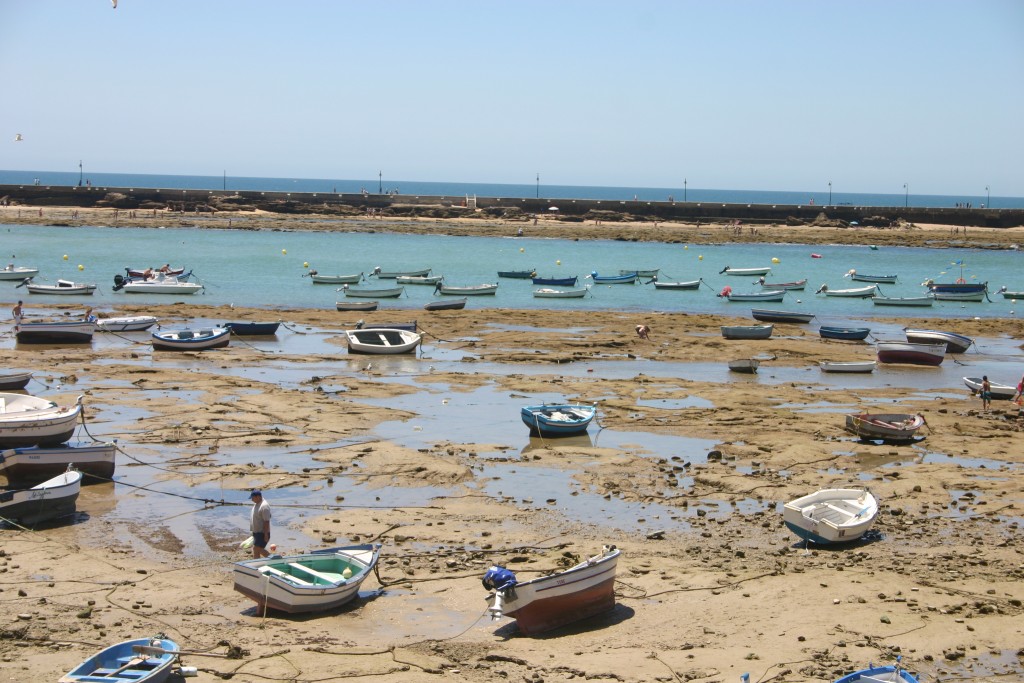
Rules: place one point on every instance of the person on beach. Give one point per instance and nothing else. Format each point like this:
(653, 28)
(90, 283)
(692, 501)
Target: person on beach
(259, 524)
(986, 393)
(17, 313)
(643, 331)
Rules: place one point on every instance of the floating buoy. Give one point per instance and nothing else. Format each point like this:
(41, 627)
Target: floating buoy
(521, 250)
(815, 255)
(685, 247)
(284, 251)
(81, 267)
(775, 259)
(65, 257)
(701, 257)
(305, 264)
(558, 262)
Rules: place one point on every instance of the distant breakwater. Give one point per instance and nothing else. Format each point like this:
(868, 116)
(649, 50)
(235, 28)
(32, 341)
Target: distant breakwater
(563, 209)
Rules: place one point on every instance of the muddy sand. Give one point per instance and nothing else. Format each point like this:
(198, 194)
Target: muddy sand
(710, 583)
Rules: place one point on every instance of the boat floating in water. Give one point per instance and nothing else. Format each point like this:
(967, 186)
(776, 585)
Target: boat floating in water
(550, 420)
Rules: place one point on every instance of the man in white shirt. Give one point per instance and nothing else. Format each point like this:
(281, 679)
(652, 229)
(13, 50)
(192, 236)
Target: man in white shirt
(259, 524)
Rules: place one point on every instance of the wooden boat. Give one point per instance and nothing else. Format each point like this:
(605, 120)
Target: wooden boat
(549, 293)
(642, 272)
(550, 420)
(164, 284)
(796, 285)
(95, 460)
(847, 366)
(955, 343)
(998, 392)
(191, 340)
(958, 287)
(311, 582)
(31, 421)
(372, 292)
(394, 274)
(143, 660)
(880, 300)
(55, 332)
(889, 427)
(13, 272)
(356, 305)
(412, 326)
(549, 602)
(382, 341)
(51, 499)
(879, 674)
(14, 380)
(745, 365)
(627, 279)
(556, 281)
(319, 279)
(128, 323)
(445, 305)
(150, 272)
(252, 329)
(912, 354)
(747, 331)
(960, 296)
(517, 274)
(774, 295)
(853, 293)
(65, 287)
(831, 515)
(1007, 294)
(472, 290)
(770, 316)
(418, 279)
(847, 333)
(684, 284)
(729, 270)
(877, 279)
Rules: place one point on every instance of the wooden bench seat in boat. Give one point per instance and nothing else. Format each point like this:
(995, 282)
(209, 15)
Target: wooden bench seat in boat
(329, 577)
(267, 569)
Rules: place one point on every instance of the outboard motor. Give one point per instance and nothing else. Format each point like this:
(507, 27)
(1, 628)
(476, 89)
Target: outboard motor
(498, 579)
(119, 282)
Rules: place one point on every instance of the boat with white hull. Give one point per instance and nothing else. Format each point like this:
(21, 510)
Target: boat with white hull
(831, 515)
(32, 421)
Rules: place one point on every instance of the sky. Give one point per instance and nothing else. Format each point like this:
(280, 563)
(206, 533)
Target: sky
(727, 94)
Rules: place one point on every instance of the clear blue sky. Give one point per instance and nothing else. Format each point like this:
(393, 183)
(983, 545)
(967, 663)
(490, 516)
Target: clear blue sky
(781, 95)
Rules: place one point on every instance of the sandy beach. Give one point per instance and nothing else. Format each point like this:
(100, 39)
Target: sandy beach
(710, 584)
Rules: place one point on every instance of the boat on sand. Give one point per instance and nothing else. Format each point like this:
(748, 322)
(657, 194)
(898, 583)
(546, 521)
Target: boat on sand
(143, 660)
(831, 515)
(888, 427)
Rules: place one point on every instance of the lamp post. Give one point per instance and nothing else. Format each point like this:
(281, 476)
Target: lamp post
(830, 193)
(538, 186)
(684, 189)
(380, 182)
(79, 172)
(906, 196)
(988, 198)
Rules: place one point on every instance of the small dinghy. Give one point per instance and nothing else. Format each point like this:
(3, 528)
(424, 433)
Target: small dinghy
(999, 392)
(745, 365)
(191, 340)
(143, 660)
(382, 341)
(887, 427)
(879, 674)
(33, 464)
(33, 421)
(747, 331)
(14, 380)
(253, 329)
(66, 287)
(549, 602)
(53, 498)
(557, 419)
(445, 305)
(312, 582)
(831, 515)
(847, 366)
(129, 323)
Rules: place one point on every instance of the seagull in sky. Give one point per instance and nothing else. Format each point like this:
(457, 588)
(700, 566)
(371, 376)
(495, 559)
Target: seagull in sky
(17, 137)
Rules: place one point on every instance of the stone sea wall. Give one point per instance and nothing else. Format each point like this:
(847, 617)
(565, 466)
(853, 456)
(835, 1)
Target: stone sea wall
(513, 208)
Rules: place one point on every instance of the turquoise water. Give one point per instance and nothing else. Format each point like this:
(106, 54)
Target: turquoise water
(265, 269)
(822, 196)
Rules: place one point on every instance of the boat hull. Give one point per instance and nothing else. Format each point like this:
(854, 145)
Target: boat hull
(187, 340)
(556, 281)
(65, 290)
(889, 427)
(156, 668)
(955, 343)
(998, 392)
(560, 293)
(34, 464)
(382, 341)
(920, 301)
(319, 279)
(247, 329)
(71, 332)
(475, 290)
(557, 420)
(627, 279)
(780, 316)
(51, 499)
(14, 380)
(451, 305)
(387, 293)
(958, 287)
(356, 305)
(394, 274)
(831, 516)
(517, 274)
(770, 296)
(911, 354)
(745, 365)
(17, 273)
(685, 284)
(747, 331)
(43, 423)
(879, 674)
(746, 271)
(847, 366)
(975, 297)
(134, 323)
(550, 602)
(878, 279)
(854, 293)
(289, 585)
(845, 333)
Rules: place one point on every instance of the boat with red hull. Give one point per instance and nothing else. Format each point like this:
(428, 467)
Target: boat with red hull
(912, 354)
(549, 602)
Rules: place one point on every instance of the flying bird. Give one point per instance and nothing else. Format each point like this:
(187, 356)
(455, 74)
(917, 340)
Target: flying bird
(17, 137)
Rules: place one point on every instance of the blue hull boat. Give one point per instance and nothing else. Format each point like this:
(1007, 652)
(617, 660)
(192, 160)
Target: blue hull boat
(879, 674)
(850, 333)
(556, 281)
(558, 420)
(627, 279)
(253, 329)
(143, 660)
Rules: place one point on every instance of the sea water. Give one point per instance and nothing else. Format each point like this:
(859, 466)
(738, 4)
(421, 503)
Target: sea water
(268, 269)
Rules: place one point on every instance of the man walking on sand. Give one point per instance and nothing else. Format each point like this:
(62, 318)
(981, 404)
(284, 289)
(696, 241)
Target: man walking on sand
(259, 524)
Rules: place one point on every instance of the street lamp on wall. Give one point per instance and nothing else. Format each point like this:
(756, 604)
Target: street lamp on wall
(684, 189)
(538, 186)
(906, 196)
(988, 198)
(830, 193)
